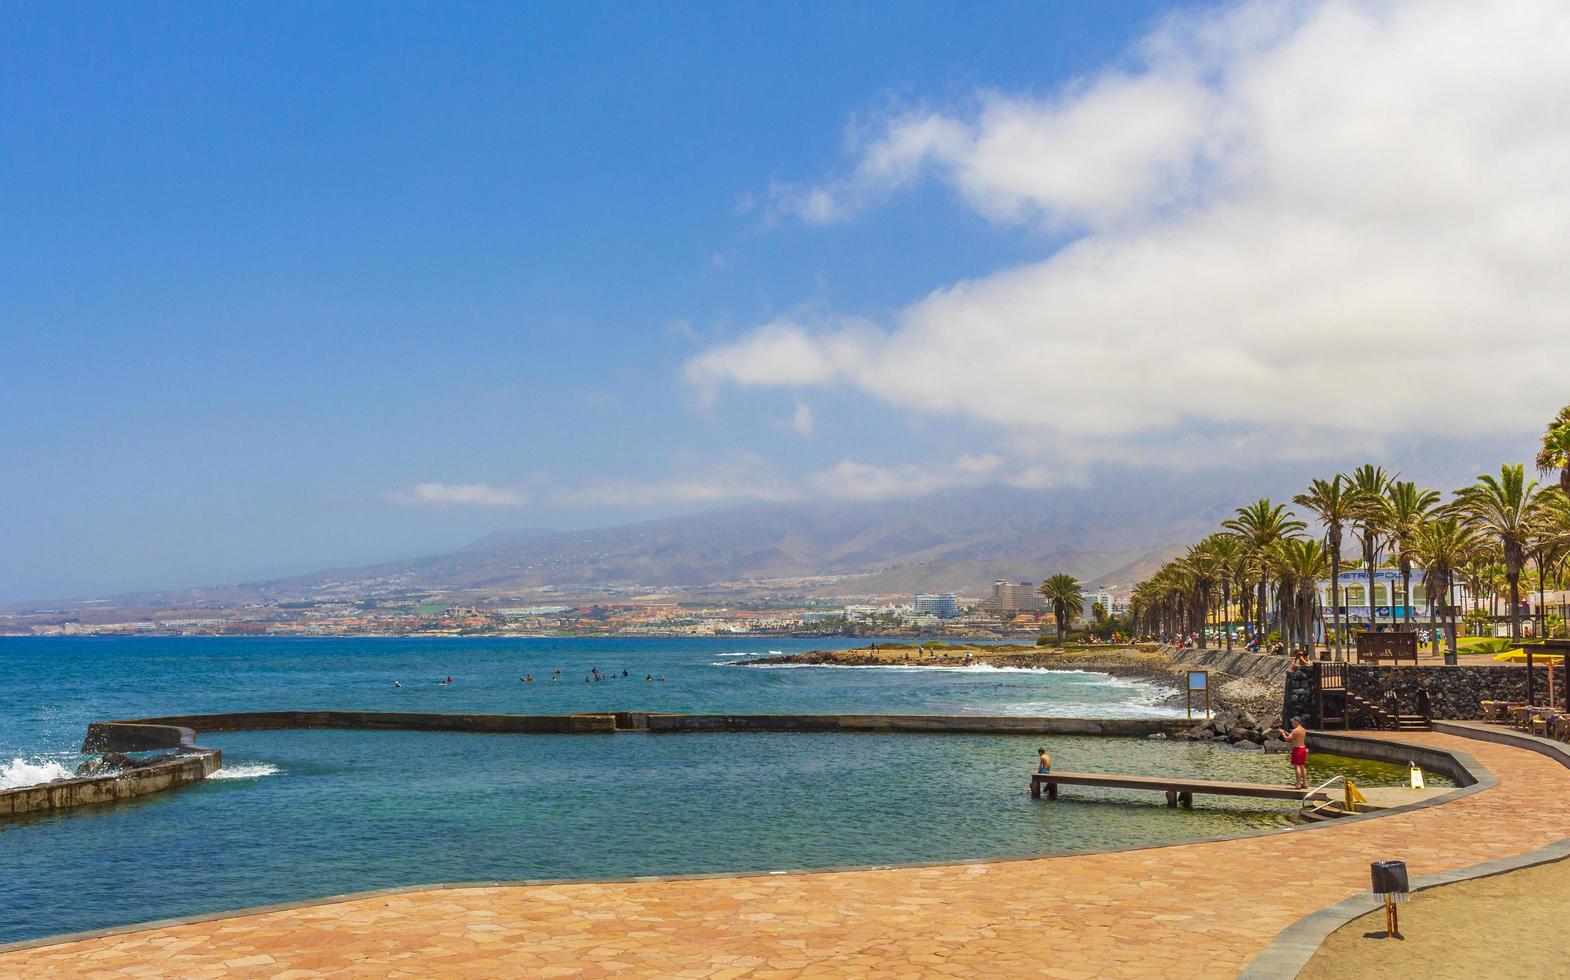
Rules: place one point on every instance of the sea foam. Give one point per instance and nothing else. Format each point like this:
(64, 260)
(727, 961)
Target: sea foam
(981, 668)
(20, 772)
(245, 770)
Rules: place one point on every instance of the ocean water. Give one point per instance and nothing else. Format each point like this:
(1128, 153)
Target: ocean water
(299, 814)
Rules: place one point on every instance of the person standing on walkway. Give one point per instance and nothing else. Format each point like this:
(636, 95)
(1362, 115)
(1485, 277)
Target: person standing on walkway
(1298, 739)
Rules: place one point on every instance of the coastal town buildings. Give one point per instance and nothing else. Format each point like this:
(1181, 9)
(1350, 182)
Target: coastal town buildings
(1011, 597)
(1391, 605)
(943, 605)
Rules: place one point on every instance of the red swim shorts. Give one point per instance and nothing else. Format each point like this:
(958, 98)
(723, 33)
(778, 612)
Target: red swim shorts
(1299, 755)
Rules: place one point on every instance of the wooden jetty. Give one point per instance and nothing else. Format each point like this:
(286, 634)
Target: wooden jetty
(1179, 790)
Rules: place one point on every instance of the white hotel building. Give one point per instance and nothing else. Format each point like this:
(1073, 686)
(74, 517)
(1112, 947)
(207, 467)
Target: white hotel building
(1391, 606)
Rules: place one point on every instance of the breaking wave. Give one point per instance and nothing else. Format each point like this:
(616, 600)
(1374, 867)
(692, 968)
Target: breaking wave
(965, 669)
(20, 772)
(245, 770)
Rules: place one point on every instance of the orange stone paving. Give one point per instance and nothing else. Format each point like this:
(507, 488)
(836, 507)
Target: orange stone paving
(1202, 910)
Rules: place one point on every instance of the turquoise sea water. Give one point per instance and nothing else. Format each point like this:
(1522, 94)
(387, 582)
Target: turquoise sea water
(309, 813)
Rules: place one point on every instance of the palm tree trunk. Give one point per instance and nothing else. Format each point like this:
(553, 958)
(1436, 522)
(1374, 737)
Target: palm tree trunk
(1335, 589)
(1452, 611)
(1226, 606)
(1542, 608)
(1406, 595)
(1308, 599)
(1264, 607)
(1368, 559)
(1515, 607)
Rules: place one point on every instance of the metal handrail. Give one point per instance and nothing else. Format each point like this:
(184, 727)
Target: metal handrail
(1308, 794)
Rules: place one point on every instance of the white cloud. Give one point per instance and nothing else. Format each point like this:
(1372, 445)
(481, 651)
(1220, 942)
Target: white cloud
(862, 481)
(1300, 227)
(749, 479)
(801, 421)
(742, 478)
(472, 494)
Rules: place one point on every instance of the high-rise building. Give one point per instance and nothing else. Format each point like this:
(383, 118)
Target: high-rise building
(1008, 597)
(1094, 596)
(944, 605)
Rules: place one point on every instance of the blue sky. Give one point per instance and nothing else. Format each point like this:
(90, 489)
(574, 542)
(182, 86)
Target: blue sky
(289, 285)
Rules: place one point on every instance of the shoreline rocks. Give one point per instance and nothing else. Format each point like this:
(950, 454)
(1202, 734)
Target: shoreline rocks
(1239, 729)
(1257, 698)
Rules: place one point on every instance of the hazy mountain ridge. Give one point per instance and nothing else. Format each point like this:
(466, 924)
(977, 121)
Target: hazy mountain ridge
(954, 541)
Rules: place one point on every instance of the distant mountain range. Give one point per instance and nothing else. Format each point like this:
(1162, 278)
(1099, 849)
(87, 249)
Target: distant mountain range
(1113, 532)
(958, 540)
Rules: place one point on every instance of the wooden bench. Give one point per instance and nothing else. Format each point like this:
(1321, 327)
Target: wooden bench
(1178, 789)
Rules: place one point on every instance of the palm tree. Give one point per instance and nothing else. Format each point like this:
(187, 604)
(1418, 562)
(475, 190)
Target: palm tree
(1064, 594)
(1229, 552)
(1550, 545)
(1406, 511)
(1504, 508)
(1477, 574)
(1204, 570)
(1554, 454)
(1443, 547)
(1333, 502)
(1299, 563)
(1261, 524)
(1368, 494)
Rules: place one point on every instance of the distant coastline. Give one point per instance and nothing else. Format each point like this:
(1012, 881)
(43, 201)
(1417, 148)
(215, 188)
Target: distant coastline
(1146, 663)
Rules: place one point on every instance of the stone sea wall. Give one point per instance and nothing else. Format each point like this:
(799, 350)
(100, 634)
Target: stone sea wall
(1238, 663)
(1455, 693)
(63, 794)
(928, 724)
(120, 736)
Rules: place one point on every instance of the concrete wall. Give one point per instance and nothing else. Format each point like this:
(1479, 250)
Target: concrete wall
(929, 724)
(1456, 693)
(137, 736)
(178, 770)
(1396, 753)
(109, 736)
(119, 736)
(1238, 663)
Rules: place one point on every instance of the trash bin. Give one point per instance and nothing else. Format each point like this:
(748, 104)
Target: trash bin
(1450, 659)
(1389, 878)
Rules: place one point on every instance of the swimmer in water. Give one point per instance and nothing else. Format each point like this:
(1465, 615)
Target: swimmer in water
(397, 683)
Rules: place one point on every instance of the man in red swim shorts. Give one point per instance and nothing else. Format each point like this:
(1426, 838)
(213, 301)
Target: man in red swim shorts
(1298, 739)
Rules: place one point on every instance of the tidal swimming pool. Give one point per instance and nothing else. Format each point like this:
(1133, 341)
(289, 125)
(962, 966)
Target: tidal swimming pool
(302, 814)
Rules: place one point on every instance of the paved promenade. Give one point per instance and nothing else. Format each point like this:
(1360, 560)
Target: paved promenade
(1188, 910)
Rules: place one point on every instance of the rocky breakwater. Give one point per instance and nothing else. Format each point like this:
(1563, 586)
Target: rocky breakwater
(1129, 662)
(1241, 730)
